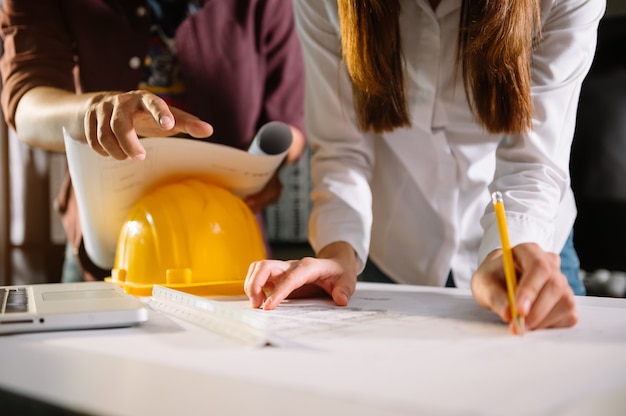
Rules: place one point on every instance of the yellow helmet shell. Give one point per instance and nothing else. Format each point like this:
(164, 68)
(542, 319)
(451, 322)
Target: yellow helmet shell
(188, 235)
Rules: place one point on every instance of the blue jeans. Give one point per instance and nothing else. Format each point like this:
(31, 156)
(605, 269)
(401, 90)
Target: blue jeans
(71, 269)
(570, 267)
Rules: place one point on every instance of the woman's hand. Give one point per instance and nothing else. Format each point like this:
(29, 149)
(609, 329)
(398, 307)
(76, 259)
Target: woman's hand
(269, 282)
(114, 121)
(544, 297)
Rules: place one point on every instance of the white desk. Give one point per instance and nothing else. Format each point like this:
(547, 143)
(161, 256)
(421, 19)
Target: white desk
(396, 350)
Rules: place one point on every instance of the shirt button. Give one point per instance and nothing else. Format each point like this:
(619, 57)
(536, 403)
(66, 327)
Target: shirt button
(134, 62)
(141, 11)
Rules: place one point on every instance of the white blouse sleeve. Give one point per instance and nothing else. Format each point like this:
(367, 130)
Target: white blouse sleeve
(532, 169)
(343, 157)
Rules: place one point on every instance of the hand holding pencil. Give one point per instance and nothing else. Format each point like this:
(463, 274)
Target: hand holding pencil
(507, 260)
(533, 294)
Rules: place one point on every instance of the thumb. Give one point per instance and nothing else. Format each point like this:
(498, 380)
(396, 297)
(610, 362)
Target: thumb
(489, 292)
(342, 290)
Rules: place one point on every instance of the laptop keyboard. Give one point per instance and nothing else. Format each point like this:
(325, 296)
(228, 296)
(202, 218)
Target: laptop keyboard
(13, 300)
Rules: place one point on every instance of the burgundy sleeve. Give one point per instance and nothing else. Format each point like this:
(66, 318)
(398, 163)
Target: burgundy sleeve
(284, 87)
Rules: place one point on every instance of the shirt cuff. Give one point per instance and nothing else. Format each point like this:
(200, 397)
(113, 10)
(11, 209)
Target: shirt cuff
(521, 229)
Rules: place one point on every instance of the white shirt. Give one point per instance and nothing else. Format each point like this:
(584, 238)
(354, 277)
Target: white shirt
(421, 195)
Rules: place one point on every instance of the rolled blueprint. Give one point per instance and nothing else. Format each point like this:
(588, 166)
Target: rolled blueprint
(274, 138)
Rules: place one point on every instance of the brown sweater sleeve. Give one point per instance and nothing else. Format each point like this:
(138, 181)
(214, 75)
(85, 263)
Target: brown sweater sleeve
(37, 51)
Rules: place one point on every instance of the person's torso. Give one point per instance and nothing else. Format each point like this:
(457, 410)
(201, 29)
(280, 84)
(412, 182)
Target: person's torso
(219, 74)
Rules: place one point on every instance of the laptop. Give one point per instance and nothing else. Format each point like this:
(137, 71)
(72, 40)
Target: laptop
(65, 306)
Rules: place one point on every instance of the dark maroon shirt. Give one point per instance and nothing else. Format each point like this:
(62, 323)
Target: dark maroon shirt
(240, 59)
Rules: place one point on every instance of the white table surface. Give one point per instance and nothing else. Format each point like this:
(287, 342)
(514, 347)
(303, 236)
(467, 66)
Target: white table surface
(396, 350)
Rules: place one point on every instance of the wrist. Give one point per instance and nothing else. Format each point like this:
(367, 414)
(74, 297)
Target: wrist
(342, 252)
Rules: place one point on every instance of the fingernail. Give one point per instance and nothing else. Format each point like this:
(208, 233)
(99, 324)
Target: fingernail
(523, 306)
(139, 156)
(166, 122)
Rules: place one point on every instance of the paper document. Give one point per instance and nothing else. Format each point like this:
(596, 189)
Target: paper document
(403, 315)
(314, 321)
(106, 188)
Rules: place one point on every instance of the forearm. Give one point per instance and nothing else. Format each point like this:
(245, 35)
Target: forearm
(43, 112)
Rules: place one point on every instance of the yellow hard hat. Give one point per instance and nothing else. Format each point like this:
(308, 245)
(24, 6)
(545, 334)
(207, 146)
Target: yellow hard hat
(188, 235)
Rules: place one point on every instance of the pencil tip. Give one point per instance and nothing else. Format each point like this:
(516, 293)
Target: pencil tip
(519, 325)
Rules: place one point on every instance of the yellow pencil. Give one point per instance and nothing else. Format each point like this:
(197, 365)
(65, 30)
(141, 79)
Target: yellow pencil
(507, 258)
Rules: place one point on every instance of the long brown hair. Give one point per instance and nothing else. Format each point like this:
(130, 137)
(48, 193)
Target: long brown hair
(495, 46)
